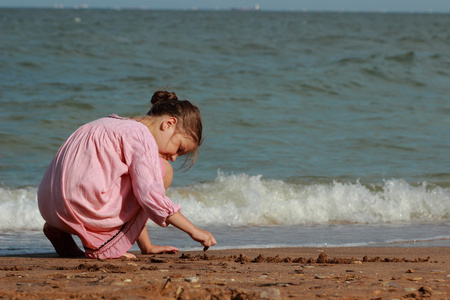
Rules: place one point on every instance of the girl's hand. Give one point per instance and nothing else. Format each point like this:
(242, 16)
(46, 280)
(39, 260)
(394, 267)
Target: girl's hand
(203, 237)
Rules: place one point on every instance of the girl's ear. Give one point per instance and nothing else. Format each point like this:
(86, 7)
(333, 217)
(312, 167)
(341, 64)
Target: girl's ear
(168, 123)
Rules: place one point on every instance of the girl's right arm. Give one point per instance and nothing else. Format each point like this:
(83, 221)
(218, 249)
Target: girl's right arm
(202, 236)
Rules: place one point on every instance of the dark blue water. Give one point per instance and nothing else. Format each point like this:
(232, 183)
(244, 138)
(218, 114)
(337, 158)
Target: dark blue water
(311, 118)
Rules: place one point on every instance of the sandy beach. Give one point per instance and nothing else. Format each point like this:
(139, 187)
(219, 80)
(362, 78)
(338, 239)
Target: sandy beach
(278, 273)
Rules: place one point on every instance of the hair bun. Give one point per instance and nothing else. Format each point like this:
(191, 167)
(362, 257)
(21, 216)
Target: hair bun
(161, 96)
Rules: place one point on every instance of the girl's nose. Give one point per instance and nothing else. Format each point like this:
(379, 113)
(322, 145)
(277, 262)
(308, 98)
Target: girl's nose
(173, 157)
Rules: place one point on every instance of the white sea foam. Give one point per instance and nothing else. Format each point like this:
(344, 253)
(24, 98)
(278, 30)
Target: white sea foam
(241, 200)
(18, 209)
(250, 200)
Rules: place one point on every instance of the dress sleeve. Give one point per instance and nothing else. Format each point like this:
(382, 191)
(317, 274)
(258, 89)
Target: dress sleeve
(141, 156)
(163, 167)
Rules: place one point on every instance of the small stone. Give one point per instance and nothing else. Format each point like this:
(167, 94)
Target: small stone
(392, 284)
(273, 294)
(166, 286)
(415, 279)
(217, 282)
(307, 267)
(321, 277)
(322, 258)
(179, 291)
(410, 289)
(410, 271)
(322, 295)
(426, 291)
(191, 279)
(127, 280)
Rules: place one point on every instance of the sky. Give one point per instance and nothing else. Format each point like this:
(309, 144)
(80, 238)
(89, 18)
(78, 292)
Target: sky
(437, 6)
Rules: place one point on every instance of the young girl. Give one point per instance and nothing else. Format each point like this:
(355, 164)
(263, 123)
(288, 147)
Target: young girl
(106, 180)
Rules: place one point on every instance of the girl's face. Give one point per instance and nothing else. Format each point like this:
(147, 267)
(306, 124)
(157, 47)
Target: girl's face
(171, 143)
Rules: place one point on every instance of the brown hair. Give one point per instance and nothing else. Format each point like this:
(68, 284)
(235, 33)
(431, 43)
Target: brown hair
(187, 114)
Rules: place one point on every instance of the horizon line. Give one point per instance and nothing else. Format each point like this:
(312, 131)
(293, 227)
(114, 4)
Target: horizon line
(233, 9)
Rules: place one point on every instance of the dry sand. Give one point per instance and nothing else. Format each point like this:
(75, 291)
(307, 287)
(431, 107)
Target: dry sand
(279, 273)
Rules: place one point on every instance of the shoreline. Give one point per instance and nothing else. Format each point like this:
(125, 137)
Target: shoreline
(257, 273)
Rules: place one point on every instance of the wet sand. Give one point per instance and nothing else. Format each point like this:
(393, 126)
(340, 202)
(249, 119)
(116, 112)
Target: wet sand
(279, 273)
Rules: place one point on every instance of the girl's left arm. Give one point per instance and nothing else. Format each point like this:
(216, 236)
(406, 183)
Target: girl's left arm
(199, 235)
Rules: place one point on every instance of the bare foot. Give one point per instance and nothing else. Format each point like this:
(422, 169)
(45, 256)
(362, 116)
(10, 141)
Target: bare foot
(128, 255)
(154, 249)
(62, 241)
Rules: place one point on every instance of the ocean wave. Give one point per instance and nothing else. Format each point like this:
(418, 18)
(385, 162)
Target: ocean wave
(251, 200)
(18, 209)
(243, 200)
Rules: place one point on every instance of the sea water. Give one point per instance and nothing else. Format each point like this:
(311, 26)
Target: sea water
(322, 129)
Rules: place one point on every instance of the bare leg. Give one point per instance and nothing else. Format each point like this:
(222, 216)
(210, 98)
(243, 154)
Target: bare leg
(147, 247)
(62, 241)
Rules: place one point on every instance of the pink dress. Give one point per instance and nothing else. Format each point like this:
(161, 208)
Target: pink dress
(103, 185)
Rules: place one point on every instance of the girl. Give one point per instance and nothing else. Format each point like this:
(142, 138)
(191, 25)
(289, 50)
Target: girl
(106, 180)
